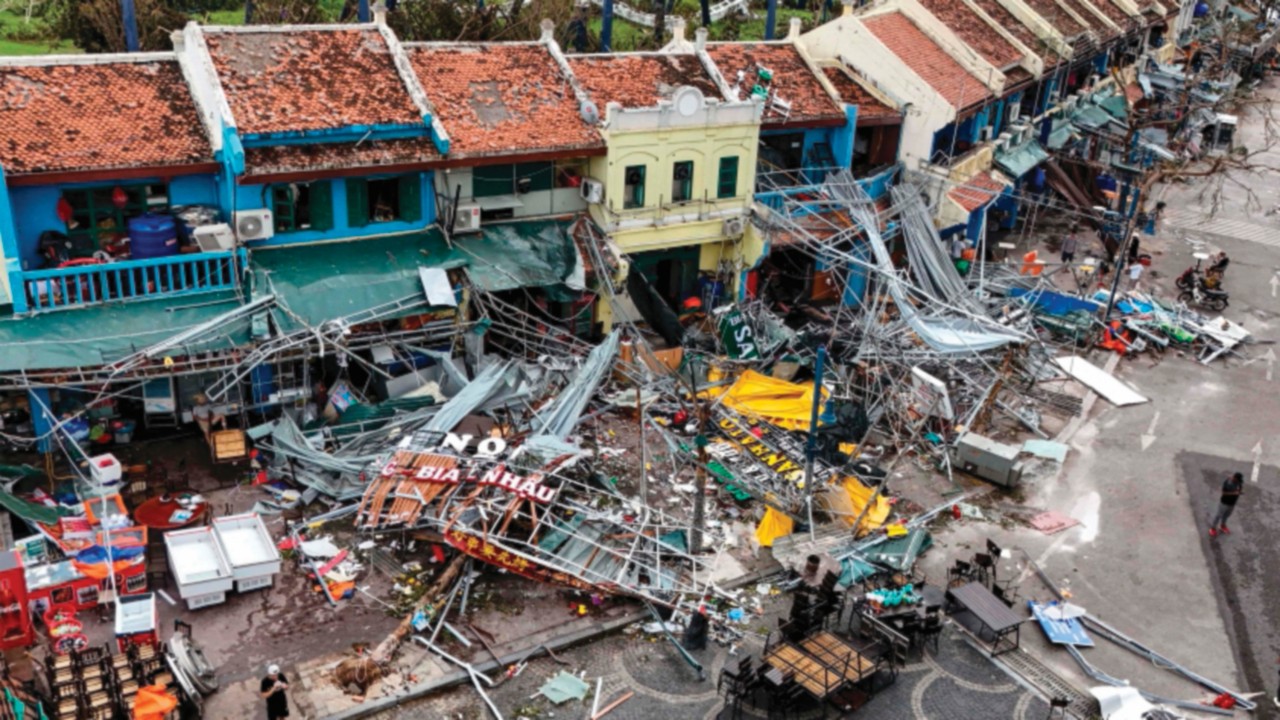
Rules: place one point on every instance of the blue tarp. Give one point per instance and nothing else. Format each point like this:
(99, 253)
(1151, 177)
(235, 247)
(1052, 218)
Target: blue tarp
(96, 553)
(1052, 303)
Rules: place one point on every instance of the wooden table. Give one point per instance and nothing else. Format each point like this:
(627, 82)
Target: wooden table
(810, 674)
(992, 614)
(839, 656)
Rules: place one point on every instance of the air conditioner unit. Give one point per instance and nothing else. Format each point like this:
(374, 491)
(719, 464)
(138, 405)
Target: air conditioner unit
(468, 220)
(254, 225)
(734, 226)
(592, 191)
(211, 238)
(985, 133)
(1015, 111)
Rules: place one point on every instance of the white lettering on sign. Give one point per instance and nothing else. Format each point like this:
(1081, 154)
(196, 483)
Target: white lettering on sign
(524, 486)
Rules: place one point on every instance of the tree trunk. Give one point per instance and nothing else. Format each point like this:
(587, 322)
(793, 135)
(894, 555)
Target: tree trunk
(659, 21)
(388, 647)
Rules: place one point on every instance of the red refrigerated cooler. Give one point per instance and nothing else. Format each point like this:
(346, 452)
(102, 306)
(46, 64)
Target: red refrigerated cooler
(15, 614)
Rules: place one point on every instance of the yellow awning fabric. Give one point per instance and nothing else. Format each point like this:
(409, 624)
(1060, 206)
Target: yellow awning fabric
(773, 526)
(777, 402)
(847, 499)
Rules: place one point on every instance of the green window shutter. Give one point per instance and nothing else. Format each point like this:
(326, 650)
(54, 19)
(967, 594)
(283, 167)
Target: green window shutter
(541, 175)
(411, 197)
(357, 202)
(491, 180)
(727, 186)
(322, 205)
(282, 209)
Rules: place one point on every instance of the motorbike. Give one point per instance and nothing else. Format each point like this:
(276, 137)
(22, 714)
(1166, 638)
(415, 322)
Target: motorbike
(1189, 277)
(1207, 297)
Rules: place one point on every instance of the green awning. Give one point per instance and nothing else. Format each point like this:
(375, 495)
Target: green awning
(1020, 160)
(321, 282)
(1117, 106)
(1090, 116)
(520, 254)
(92, 336)
(1061, 134)
(31, 512)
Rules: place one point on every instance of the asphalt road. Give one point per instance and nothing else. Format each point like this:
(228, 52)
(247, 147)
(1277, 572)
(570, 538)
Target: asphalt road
(1242, 563)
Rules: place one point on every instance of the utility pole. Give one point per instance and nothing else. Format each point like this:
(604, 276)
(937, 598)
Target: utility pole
(771, 19)
(644, 451)
(130, 17)
(1128, 199)
(700, 493)
(606, 27)
(812, 446)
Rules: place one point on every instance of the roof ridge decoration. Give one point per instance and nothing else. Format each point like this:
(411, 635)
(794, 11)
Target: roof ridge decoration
(1039, 26)
(709, 64)
(816, 71)
(86, 59)
(1031, 59)
(580, 93)
(439, 136)
(206, 89)
(882, 94)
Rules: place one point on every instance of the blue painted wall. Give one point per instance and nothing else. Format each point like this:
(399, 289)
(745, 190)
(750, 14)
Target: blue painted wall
(252, 197)
(36, 209)
(842, 138)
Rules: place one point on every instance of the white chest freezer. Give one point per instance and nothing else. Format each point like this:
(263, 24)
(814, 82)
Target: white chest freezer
(254, 559)
(199, 566)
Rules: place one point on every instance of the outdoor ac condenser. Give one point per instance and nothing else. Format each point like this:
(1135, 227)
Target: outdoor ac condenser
(254, 225)
(468, 220)
(990, 460)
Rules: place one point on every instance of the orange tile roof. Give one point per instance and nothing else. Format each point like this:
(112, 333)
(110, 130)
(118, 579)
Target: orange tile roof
(641, 80)
(297, 80)
(1113, 12)
(793, 80)
(974, 31)
(1053, 14)
(320, 157)
(852, 92)
(74, 117)
(976, 191)
(501, 99)
(1081, 8)
(1014, 26)
(927, 60)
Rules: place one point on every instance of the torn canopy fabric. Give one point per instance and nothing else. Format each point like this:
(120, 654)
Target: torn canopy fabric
(524, 254)
(847, 499)
(772, 526)
(777, 402)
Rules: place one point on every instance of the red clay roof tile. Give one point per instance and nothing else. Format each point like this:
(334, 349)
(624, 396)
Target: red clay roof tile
(1081, 8)
(1112, 11)
(852, 92)
(297, 80)
(1052, 13)
(793, 80)
(974, 31)
(640, 80)
(320, 157)
(976, 191)
(501, 99)
(1006, 20)
(926, 59)
(72, 117)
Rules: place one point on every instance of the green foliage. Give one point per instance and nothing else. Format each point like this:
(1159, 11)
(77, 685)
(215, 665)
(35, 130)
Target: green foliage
(98, 26)
(433, 20)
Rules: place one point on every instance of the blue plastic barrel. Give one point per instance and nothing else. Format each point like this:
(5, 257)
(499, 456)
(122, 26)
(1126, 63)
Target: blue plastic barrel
(152, 236)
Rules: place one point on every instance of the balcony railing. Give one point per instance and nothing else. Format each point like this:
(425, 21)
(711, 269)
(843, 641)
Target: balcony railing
(83, 285)
(775, 187)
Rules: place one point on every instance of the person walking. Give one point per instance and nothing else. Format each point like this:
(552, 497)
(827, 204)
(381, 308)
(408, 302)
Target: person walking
(273, 689)
(1135, 274)
(1069, 245)
(1231, 489)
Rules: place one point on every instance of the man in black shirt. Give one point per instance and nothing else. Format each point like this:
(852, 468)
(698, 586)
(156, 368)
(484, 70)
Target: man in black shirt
(273, 689)
(1231, 489)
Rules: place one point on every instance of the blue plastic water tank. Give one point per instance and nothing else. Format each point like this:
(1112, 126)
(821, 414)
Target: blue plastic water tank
(152, 236)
